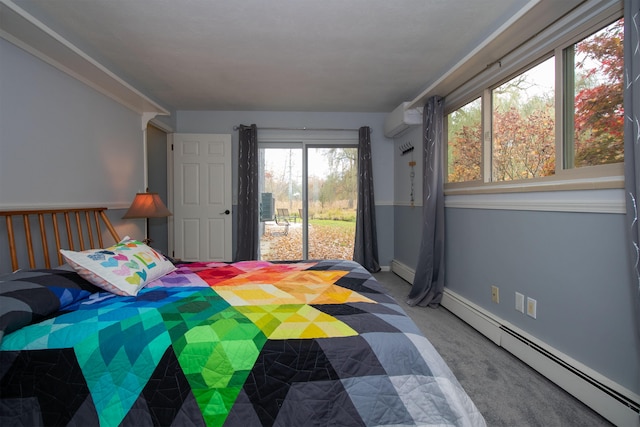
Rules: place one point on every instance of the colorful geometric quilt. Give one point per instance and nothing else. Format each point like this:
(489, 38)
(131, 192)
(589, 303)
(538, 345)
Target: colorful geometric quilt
(244, 344)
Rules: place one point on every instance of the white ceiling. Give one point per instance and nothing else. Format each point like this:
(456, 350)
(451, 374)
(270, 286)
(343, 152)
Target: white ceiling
(292, 55)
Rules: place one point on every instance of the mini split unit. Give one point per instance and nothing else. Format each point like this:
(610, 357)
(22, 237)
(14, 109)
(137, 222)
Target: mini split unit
(400, 119)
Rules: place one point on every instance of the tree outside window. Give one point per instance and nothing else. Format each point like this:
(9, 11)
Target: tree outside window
(465, 143)
(598, 119)
(523, 125)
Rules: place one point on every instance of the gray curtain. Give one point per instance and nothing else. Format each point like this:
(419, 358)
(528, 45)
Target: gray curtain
(428, 283)
(631, 135)
(248, 237)
(365, 250)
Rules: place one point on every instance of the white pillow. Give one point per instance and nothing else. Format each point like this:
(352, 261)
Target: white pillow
(122, 269)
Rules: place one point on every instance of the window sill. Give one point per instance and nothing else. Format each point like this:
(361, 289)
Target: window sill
(584, 178)
(528, 186)
(605, 195)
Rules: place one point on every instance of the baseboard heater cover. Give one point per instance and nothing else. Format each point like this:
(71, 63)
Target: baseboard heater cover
(617, 407)
(634, 406)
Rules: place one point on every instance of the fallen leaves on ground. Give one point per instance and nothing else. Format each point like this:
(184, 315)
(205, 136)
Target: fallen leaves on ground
(325, 242)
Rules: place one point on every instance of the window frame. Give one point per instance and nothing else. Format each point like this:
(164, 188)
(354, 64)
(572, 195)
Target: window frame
(553, 42)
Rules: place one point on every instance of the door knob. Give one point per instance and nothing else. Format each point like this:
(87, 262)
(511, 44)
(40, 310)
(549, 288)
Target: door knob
(226, 212)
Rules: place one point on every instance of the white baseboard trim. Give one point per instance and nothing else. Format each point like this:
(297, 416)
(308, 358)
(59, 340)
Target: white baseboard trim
(478, 318)
(608, 398)
(402, 270)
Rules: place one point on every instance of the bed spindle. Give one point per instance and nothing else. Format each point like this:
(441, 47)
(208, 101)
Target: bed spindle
(56, 234)
(67, 223)
(27, 237)
(43, 240)
(79, 229)
(87, 218)
(12, 243)
(96, 220)
(112, 230)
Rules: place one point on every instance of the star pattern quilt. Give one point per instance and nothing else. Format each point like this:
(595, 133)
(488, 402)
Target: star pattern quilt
(242, 344)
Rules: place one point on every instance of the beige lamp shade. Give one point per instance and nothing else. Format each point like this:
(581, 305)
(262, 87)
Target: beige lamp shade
(147, 205)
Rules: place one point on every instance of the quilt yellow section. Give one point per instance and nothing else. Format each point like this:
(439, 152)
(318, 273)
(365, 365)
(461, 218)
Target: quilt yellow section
(279, 301)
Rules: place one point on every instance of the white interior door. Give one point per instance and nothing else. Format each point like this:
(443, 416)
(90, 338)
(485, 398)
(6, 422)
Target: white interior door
(202, 197)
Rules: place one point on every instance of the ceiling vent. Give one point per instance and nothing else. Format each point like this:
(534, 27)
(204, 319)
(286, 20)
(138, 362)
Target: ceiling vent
(400, 119)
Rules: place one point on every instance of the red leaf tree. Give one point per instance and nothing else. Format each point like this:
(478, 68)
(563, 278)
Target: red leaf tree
(599, 113)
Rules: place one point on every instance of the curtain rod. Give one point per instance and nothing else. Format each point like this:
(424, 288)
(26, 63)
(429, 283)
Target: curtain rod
(236, 127)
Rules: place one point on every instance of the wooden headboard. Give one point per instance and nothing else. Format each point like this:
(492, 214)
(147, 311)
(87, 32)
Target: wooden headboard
(71, 228)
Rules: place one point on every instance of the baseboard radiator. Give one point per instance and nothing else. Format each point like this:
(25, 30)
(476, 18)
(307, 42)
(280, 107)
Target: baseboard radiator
(614, 402)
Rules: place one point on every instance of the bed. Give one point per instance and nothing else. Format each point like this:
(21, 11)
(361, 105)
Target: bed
(221, 344)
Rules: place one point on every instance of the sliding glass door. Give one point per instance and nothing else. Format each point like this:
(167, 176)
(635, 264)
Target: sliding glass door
(281, 189)
(332, 196)
(308, 196)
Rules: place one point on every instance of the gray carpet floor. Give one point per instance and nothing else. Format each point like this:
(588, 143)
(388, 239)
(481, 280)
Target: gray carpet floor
(505, 390)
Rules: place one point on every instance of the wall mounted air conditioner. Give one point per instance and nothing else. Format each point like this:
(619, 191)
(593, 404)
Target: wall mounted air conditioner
(400, 119)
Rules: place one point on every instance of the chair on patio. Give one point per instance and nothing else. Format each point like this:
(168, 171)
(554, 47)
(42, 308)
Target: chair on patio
(284, 213)
(282, 219)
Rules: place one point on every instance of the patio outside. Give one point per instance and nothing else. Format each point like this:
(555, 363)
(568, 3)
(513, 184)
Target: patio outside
(328, 239)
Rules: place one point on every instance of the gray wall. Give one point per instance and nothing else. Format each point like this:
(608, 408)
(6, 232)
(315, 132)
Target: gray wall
(407, 229)
(63, 143)
(381, 147)
(574, 264)
(407, 218)
(54, 129)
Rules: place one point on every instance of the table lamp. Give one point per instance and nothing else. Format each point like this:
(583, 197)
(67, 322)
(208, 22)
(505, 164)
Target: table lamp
(147, 205)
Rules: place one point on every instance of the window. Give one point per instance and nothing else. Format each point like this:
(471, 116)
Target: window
(464, 128)
(523, 125)
(595, 121)
(562, 114)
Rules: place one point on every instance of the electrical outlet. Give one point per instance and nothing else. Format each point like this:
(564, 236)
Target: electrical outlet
(531, 307)
(495, 294)
(520, 302)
